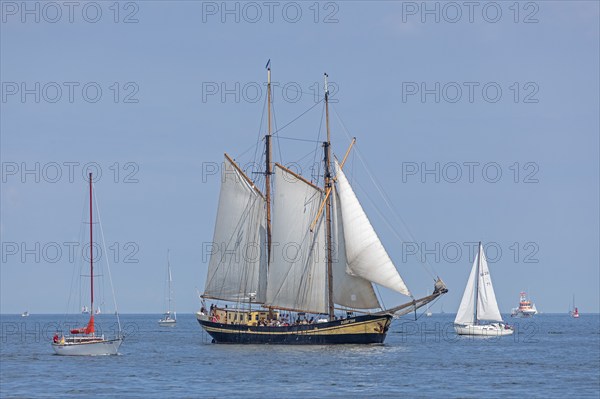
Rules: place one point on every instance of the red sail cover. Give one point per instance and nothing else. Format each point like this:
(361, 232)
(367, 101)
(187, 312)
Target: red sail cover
(85, 330)
(90, 327)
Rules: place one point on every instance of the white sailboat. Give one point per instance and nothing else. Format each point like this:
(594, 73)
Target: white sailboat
(169, 318)
(83, 341)
(479, 304)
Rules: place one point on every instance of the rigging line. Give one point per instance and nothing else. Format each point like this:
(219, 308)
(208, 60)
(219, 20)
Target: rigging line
(238, 156)
(317, 145)
(77, 269)
(260, 127)
(388, 224)
(296, 118)
(112, 287)
(382, 193)
(304, 239)
(242, 221)
(298, 91)
(275, 123)
(380, 297)
(297, 139)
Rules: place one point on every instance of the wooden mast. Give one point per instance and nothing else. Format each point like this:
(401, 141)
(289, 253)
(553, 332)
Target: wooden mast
(328, 187)
(268, 163)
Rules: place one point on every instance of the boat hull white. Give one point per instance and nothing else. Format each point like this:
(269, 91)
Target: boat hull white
(100, 347)
(167, 323)
(487, 330)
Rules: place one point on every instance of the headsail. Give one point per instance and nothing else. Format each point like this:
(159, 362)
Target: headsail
(487, 306)
(366, 256)
(466, 310)
(348, 290)
(297, 273)
(238, 265)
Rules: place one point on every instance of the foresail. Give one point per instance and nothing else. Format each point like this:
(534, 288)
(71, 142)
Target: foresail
(487, 306)
(366, 256)
(466, 310)
(348, 290)
(297, 273)
(237, 266)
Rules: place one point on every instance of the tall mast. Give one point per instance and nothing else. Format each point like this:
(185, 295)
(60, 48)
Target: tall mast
(328, 184)
(91, 254)
(268, 163)
(169, 270)
(477, 283)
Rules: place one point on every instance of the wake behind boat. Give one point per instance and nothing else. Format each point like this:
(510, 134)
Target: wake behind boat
(288, 262)
(479, 303)
(83, 341)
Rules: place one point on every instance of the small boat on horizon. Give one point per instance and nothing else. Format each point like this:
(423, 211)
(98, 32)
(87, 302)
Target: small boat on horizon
(526, 307)
(169, 319)
(479, 304)
(25, 314)
(574, 312)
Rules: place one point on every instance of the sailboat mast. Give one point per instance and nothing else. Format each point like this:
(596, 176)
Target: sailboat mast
(268, 162)
(91, 254)
(169, 270)
(477, 283)
(328, 186)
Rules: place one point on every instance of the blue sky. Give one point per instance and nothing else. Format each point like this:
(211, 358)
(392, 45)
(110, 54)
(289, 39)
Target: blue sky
(162, 121)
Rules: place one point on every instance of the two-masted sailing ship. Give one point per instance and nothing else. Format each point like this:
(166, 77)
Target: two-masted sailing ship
(297, 263)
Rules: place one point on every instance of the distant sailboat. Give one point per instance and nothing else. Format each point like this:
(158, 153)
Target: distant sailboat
(85, 310)
(25, 314)
(574, 312)
(170, 317)
(83, 341)
(479, 303)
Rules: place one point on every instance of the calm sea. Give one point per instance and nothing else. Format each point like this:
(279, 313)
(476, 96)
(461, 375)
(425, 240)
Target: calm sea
(550, 356)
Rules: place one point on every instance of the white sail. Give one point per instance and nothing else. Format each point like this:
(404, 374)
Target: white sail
(348, 290)
(487, 306)
(466, 310)
(297, 273)
(237, 266)
(366, 256)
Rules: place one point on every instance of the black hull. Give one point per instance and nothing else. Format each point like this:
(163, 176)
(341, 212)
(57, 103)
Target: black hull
(368, 329)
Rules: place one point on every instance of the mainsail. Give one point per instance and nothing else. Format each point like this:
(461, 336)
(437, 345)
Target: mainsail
(479, 292)
(365, 254)
(237, 270)
(297, 272)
